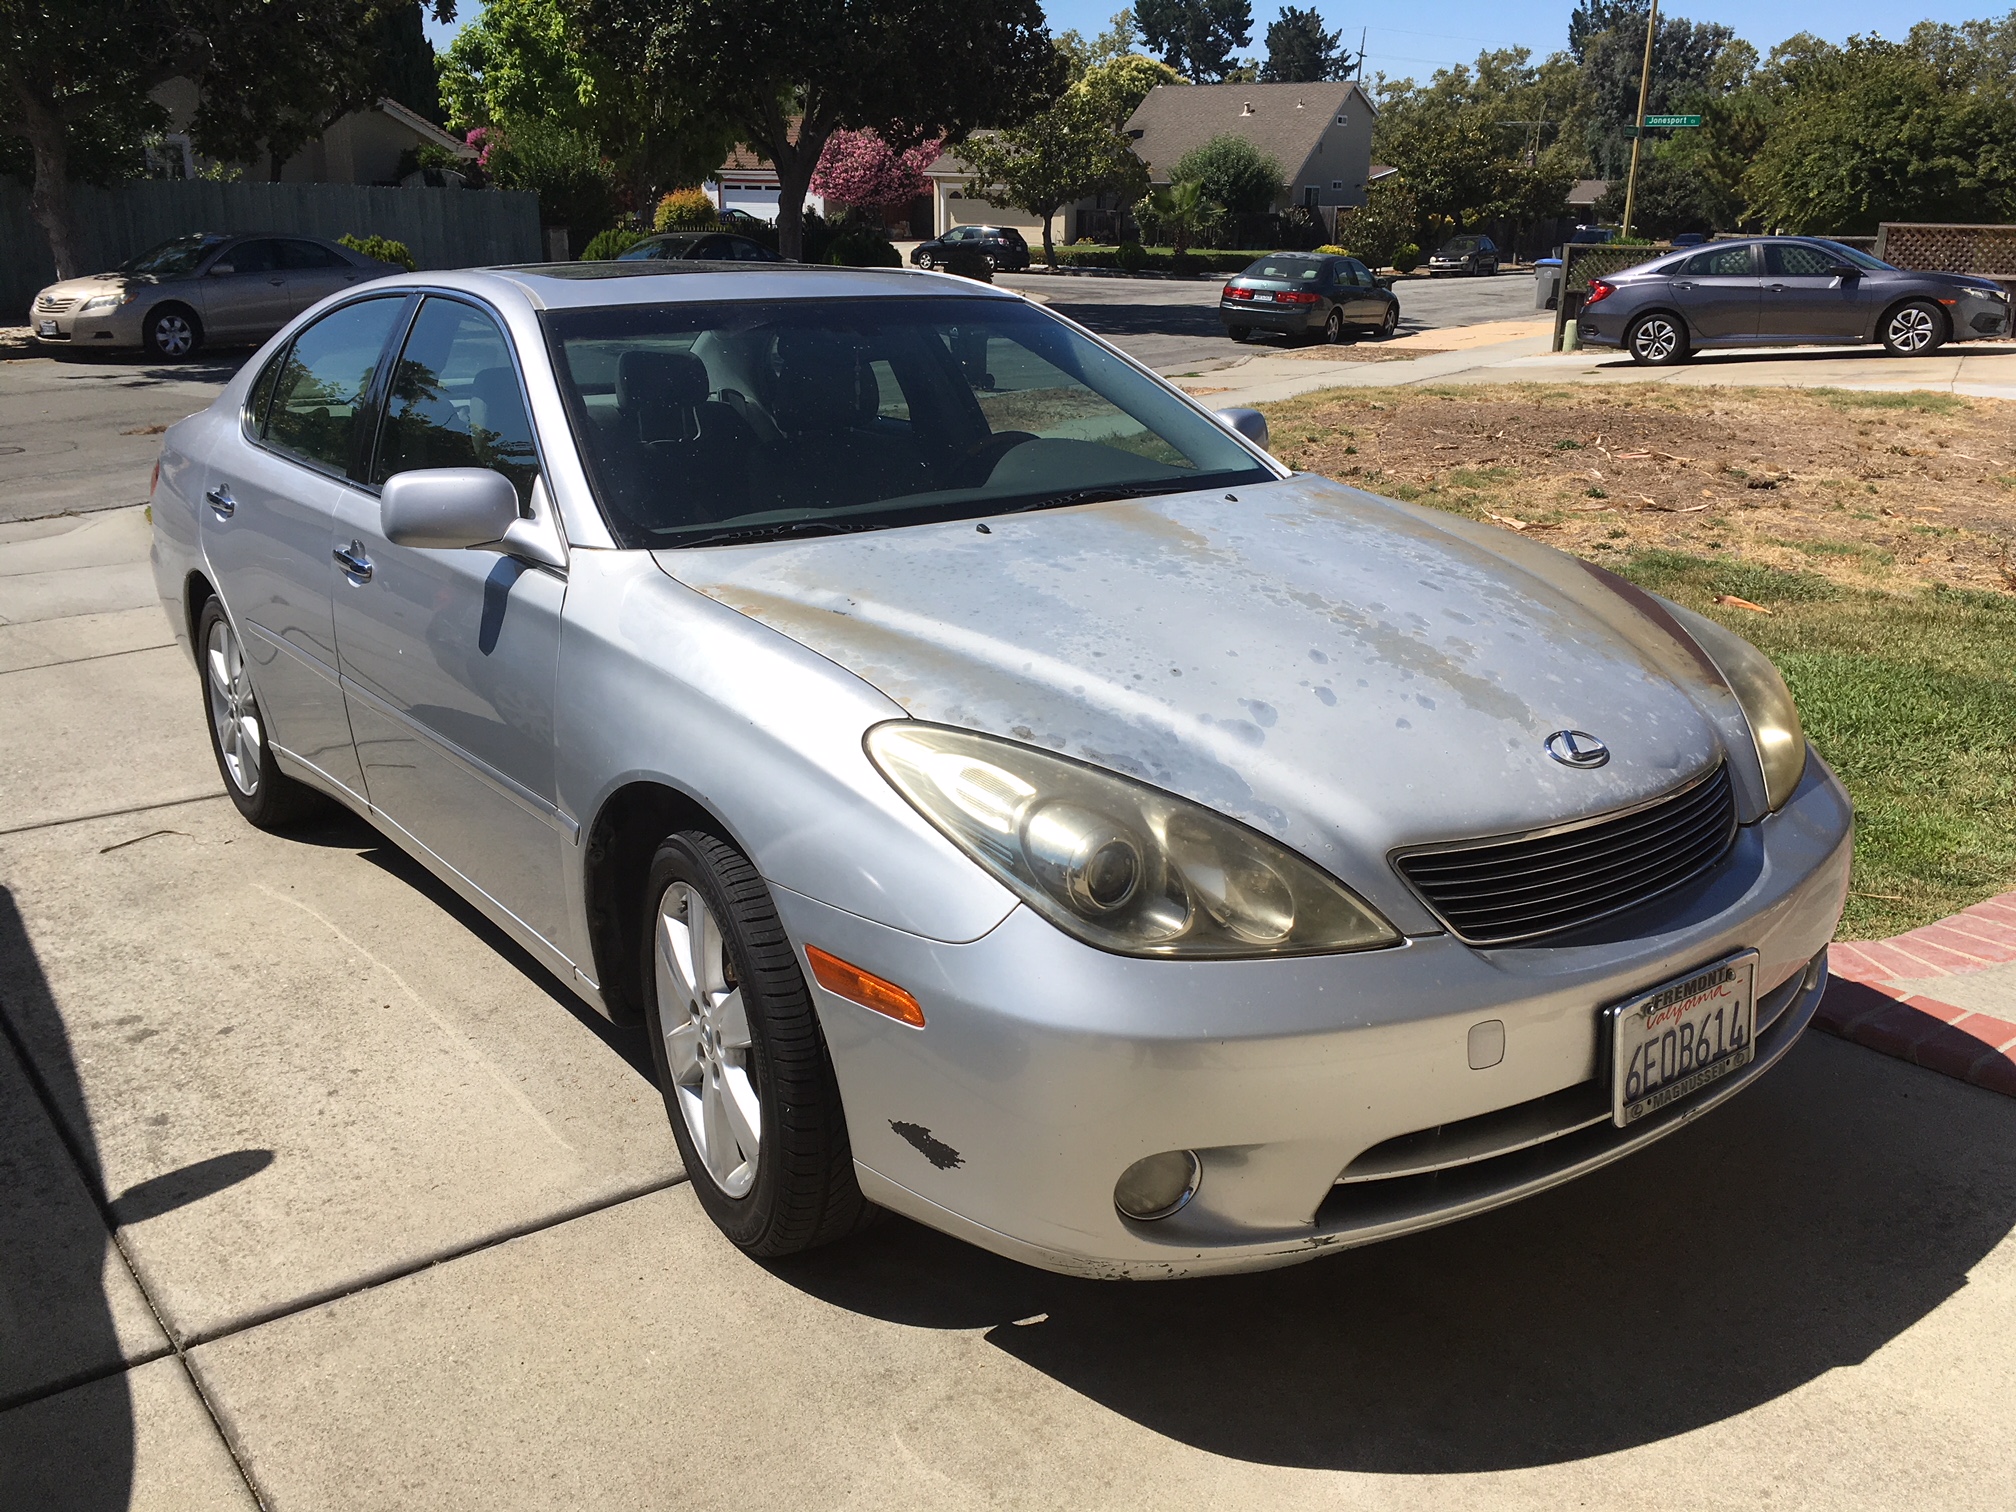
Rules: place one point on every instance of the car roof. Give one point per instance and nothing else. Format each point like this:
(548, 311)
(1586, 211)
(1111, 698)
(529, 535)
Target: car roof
(591, 285)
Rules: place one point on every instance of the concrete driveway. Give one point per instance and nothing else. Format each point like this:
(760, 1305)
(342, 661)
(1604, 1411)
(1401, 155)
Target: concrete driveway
(316, 1193)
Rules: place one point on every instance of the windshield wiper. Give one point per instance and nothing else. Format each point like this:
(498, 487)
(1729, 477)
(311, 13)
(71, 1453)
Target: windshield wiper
(1096, 496)
(781, 530)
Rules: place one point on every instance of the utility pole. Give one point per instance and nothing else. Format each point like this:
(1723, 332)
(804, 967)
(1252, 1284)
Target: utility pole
(1638, 137)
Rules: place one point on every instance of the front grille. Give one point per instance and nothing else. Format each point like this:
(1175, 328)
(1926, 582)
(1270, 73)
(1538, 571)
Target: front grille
(47, 306)
(1497, 892)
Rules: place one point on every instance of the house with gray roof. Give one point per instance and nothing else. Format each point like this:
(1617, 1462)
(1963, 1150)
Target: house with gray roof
(1321, 134)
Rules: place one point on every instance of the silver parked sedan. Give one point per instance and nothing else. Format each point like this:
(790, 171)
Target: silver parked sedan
(203, 289)
(1007, 794)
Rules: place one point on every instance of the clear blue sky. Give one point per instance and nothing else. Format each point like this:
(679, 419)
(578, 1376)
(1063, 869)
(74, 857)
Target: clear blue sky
(1453, 31)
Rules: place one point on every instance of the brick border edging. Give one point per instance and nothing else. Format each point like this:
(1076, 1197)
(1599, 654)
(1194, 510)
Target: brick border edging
(1864, 1005)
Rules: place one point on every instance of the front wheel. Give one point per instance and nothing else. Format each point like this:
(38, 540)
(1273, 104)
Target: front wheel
(927, 262)
(1915, 329)
(1657, 340)
(742, 1064)
(266, 796)
(171, 334)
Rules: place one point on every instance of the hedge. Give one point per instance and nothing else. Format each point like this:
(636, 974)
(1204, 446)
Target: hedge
(1162, 259)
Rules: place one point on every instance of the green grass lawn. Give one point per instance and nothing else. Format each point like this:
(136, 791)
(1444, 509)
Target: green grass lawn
(1912, 700)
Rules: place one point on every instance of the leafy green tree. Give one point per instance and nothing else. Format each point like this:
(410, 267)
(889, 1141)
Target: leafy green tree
(1119, 40)
(1233, 173)
(1196, 37)
(1299, 51)
(1115, 89)
(1685, 73)
(1387, 221)
(1182, 210)
(270, 74)
(1591, 18)
(566, 170)
(1924, 130)
(529, 63)
(787, 74)
(1066, 153)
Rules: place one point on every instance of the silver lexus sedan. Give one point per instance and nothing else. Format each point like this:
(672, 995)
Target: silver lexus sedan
(1007, 794)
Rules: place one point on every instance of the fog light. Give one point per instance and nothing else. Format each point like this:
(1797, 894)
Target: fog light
(1158, 1186)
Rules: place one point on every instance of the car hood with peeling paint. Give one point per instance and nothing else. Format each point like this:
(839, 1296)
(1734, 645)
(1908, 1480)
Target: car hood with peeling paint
(1341, 671)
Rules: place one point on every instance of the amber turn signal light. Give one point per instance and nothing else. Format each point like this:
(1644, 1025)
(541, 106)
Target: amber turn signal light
(844, 979)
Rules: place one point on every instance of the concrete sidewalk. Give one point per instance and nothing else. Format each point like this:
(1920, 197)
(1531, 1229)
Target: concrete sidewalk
(1516, 352)
(316, 1193)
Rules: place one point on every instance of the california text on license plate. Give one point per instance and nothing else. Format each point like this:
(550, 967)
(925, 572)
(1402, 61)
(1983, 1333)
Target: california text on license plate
(1677, 1038)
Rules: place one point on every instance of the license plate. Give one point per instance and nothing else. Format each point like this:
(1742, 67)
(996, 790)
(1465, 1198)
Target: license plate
(1679, 1037)
(46, 328)
(1269, 298)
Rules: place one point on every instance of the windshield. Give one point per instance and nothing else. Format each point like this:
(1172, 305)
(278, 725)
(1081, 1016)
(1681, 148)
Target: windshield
(711, 423)
(1859, 259)
(172, 259)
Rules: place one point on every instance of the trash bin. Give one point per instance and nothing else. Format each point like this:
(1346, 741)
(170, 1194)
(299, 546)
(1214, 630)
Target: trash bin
(1546, 282)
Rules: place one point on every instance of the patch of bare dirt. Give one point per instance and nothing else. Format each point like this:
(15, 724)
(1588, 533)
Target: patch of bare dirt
(1864, 488)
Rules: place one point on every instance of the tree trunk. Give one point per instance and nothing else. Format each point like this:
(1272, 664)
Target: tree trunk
(795, 163)
(1049, 248)
(49, 201)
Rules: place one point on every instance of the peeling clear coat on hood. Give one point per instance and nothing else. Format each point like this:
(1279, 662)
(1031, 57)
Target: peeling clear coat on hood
(1343, 672)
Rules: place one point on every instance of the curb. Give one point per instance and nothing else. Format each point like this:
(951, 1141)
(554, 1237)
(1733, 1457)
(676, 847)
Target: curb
(1864, 1003)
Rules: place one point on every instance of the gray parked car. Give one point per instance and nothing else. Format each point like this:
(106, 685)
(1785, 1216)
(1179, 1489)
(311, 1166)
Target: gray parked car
(1007, 795)
(1785, 291)
(1317, 295)
(196, 290)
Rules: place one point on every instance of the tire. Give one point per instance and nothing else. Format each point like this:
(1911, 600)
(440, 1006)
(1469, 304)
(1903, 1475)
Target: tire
(1239, 333)
(1390, 324)
(1657, 340)
(740, 1057)
(1333, 328)
(927, 262)
(266, 796)
(171, 333)
(1916, 328)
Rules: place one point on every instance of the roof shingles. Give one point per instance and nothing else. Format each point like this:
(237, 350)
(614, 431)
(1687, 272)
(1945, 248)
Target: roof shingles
(1284, 121)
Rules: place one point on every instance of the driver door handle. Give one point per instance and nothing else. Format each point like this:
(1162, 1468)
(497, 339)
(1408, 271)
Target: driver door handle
(1683, 285)
(219, 499)
(352, 560)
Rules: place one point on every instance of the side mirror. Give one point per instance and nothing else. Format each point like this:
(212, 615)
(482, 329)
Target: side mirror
(219, 270)
(1249, 423)
(447, 507)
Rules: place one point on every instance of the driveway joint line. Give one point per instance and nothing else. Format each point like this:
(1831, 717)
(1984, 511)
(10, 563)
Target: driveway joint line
(77, 661)
(312, 1300)
(138, 808)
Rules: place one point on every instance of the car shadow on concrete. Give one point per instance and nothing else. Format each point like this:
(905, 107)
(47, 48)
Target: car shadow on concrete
(1748, 355)
(1122, 320)
(343, 830)
(1799, 1228)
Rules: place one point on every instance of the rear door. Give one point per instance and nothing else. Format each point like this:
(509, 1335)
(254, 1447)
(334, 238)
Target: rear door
(314, 272)
(253, 299)
(265, 525)
(1718, 291)
(1805, 300)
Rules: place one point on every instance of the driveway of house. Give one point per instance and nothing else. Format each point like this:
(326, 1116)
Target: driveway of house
(315, 1192)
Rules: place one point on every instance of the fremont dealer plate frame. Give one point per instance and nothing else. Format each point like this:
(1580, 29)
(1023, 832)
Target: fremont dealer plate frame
(1695, 1029)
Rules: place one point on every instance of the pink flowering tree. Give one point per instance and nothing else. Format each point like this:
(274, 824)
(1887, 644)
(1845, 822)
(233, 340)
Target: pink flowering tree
(859, 169)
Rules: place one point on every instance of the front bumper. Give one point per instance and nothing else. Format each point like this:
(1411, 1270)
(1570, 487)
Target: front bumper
(1048, 1067)
(101, 328)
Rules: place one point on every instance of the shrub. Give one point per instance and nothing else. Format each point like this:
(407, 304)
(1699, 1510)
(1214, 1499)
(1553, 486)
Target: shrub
(969, 262)
(1407, 259)
(1131, 258)
(861, 241)
(383, 248)
(1331, 249)
(1235, 174)
(563, 167)
(685, 209)
(609, 245)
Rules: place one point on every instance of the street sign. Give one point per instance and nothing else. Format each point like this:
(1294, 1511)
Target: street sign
(1673, 120)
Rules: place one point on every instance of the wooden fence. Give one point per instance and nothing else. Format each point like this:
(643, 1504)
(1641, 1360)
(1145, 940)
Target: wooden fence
(444, 228)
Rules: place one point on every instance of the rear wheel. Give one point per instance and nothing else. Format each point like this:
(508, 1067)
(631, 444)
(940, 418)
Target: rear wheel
(1914, 329)
(1657, 340)
(266, 796)
(1333, 328)
(1391, 323)
(171, 333)
(743, 1066)
(1239, 333)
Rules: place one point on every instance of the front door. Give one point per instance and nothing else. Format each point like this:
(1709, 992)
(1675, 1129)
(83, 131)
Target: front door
(448, 657)
(266, 518)
(1806, 300)
(1717, 292)
(252, 300)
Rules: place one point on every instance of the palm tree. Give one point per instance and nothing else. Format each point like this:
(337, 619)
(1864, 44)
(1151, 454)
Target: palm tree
(1184, 210)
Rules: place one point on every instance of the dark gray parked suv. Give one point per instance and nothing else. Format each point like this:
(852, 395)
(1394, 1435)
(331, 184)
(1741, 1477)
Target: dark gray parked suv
(1785, 291)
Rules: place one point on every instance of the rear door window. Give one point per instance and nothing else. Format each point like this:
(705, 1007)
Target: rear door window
(1723, 262)
(318, 412)
(455, 400)
(306, 254)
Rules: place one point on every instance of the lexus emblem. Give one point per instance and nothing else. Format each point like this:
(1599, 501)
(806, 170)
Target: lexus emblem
(1577, 748)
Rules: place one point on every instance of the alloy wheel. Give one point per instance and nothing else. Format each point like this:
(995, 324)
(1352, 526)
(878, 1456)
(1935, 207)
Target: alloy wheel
(1392, 321)
(1333, 328)
(234, 713)
(707, 1040)
(1912, 329)
(1655, 340)
(174, 336)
